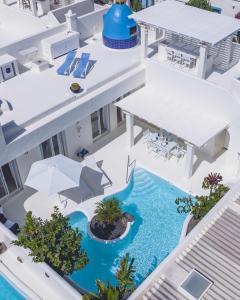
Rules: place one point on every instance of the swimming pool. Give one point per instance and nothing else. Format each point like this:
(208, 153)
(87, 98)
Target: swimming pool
(8, 291)
(153, 235)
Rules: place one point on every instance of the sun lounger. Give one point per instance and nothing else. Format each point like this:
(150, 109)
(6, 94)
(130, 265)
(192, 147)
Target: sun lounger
(81, 68)
(9, 224)
(65, 68)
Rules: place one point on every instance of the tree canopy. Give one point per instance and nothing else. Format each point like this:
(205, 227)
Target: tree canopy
(203, 4)
(53, 241)
(125, 277)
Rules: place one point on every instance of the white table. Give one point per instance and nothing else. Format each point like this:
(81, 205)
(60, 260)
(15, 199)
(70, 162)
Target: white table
(163, 147)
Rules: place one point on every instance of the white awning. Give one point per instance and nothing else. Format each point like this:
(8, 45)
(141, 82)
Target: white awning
(190, 108)
(189, 21)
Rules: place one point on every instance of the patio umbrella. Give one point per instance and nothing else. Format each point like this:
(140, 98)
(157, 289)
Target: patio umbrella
(54, 175)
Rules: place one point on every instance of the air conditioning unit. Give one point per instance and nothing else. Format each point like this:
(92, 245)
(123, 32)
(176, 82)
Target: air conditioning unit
(8, 67)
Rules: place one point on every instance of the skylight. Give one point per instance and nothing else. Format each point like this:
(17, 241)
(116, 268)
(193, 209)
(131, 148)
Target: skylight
(196, 284)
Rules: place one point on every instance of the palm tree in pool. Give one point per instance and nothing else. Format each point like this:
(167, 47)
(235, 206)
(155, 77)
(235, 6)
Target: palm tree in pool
(108, 211)
(125, 278)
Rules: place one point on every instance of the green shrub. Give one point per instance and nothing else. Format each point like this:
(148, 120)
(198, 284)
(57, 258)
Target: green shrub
(201, 205)
(203, 4)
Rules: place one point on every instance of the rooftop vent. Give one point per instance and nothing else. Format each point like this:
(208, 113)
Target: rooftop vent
(196, 284)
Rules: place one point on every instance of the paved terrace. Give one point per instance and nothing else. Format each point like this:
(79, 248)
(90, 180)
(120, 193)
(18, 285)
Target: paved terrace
(113, 159)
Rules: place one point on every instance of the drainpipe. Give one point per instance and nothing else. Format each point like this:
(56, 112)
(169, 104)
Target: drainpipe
(144, 41)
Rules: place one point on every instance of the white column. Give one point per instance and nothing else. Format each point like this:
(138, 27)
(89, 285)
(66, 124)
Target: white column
(158, 33)
(130, 129)
(189, 160)
(144, 41)
(34, 7)
(71, 20)
(202, 60)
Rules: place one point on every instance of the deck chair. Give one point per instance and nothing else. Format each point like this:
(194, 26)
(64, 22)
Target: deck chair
(81, 68)
(65, 68)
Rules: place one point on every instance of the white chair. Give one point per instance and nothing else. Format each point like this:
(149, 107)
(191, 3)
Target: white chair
(178, 152)
(178, 58)
(188, 62)
(170, 55)
(146, 134)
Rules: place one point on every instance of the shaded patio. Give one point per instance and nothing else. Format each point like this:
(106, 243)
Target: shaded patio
(194, 39)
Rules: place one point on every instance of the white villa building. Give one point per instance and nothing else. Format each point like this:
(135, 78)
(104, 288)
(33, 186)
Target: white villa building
(183, 77)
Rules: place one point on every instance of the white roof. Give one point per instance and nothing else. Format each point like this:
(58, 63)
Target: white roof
(11, 31)
(187, 20)
(34, 95)
(188, 107)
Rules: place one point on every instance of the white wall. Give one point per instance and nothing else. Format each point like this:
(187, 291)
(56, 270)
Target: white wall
(32, 41)
(91, 23)
(60, 122)
(79, 135)
(80, 8)
(25, 161)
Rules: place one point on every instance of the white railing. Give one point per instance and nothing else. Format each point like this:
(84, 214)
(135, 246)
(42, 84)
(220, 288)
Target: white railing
(131, 167)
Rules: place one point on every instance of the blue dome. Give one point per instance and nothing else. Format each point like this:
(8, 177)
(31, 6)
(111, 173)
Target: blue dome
(119, 31)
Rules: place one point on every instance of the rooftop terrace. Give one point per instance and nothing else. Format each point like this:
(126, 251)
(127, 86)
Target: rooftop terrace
(34, 95)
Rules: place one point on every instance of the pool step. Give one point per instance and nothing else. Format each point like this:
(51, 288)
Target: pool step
(143, 183)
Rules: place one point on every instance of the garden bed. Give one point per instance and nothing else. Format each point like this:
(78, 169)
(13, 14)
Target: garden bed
(111, 231)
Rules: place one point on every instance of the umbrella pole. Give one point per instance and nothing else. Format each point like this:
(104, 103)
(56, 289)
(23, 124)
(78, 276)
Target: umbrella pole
(63, 202)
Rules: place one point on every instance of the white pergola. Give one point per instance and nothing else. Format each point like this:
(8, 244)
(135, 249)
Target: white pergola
(192, 109)
(207, 27)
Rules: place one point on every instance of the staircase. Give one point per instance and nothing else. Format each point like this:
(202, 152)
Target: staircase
(143, 183)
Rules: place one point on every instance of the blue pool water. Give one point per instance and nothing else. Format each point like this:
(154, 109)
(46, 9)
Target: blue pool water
(8, 291)
(154, 234)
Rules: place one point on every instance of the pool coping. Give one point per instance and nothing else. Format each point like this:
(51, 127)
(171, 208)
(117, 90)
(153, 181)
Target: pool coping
(92, 236)
(17, 284)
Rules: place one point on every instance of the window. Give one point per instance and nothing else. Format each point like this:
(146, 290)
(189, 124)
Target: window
(196, 284)
(53, 146)
(133, 30)
(120, 116)
(100, 122)
(9, 179)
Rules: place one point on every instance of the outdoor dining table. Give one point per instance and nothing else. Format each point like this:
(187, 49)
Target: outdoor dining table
(185, 49)
(164, 147)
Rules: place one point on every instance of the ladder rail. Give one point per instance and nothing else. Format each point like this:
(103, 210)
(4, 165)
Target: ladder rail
(130, 165)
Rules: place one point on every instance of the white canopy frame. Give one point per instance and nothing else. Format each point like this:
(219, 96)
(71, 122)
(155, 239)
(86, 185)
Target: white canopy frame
(208, 28)
(194, 110)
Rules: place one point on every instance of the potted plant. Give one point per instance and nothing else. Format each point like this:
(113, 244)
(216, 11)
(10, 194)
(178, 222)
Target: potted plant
(75, 88)
(110, 222)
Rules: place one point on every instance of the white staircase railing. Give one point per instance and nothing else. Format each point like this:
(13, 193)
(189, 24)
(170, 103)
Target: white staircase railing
(131, 167)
